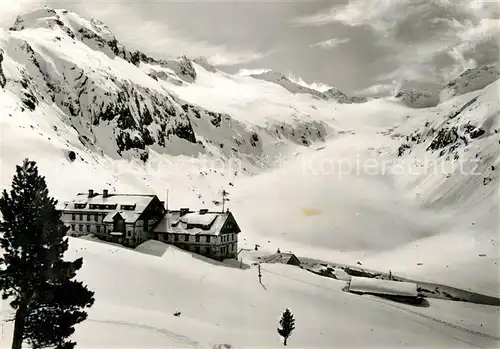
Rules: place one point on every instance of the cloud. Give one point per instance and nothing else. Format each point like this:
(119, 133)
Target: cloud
(379, 14)
(379, 90)
(316, 85)
(10, 9)
(246, 72)
(331, 43)
(465, 24)
(222, 56)
(157, 38)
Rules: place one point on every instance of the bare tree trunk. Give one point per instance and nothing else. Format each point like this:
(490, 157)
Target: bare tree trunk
(284, 342)
(17, 339)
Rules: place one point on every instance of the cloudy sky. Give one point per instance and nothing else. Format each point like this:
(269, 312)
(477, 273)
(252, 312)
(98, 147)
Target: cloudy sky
(355, 45)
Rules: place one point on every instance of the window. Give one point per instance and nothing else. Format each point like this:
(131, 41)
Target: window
(176, 237)
(73, 227)
(208, 239)
(232, 236)
(129, 233)
(197, 238)
(73, 217)
(96, 216)
(186, 237)
(88, 217)
(98, 228)
(80, 227)
(88, 228)
(81, 217)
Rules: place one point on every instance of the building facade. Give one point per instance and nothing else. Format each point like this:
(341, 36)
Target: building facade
(123, 218)
(131, 219)
(212, 234)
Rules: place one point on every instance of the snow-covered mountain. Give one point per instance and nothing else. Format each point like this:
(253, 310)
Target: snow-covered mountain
(117, 100)
(405, 184)
(416, 99)
(470, 80)
(331, 94)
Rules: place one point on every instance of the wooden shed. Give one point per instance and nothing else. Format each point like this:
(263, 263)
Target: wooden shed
(282, 257)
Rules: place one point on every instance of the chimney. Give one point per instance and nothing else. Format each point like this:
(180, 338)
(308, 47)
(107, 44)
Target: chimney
(203, 210)
(184, 210)
(91, 193)
(105, 193)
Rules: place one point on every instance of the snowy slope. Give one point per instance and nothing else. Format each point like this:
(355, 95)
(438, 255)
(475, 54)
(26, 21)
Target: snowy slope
(393, 186)
(470, 80)
(136, 297)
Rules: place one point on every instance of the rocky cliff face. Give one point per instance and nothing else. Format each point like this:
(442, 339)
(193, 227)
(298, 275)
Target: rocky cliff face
(416, 99)
(113, 97)
(454, 148)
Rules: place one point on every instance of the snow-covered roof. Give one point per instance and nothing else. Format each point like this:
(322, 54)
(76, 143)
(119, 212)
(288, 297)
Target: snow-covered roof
(192, 223)
(279, 258)
(128, 216)
(198, 219)
(379, 286)
(139, 202)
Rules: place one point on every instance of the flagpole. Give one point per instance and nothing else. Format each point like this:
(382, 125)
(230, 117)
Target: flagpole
(166, 215)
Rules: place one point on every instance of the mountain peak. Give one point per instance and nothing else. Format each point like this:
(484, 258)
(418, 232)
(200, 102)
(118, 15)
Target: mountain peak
(47, 17)
(40, 18)
(470, 80)
(293, 87)
(91, 32)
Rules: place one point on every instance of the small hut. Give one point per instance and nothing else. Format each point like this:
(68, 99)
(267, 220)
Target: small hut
(283, 258)
(399, 291)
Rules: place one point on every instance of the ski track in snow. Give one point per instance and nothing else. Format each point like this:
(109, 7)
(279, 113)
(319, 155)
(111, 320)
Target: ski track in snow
(438, 321)
(409, 313)
(170, 334)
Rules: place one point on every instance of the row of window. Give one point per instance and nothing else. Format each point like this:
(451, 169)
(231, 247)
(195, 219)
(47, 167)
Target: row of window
(227, 249)
(105, 207)
(99, 229)
(87, 228)
(212, 250)
(89, 217)
(197, 238)
(227, 238)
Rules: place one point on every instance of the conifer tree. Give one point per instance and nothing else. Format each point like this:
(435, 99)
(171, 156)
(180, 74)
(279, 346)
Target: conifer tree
(287, 324)
(47, 301)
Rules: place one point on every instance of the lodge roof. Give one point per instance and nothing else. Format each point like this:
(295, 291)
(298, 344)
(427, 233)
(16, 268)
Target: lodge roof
(192, 223)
